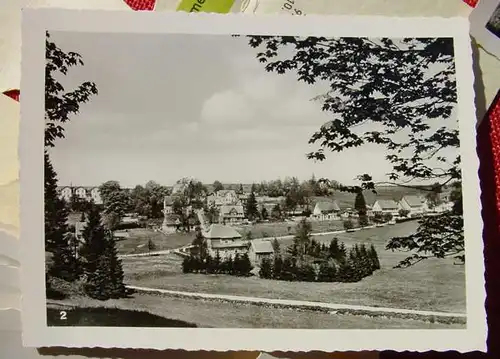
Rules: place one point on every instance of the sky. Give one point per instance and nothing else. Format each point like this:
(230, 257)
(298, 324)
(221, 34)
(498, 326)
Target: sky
(173, 106)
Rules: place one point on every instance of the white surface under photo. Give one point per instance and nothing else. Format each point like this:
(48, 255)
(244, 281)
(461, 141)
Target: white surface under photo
(239, 182)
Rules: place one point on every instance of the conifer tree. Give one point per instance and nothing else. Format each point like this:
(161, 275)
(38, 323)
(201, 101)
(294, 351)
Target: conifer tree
(266, 268)
(277, 267)
(365, 261)
(245, 265)
(117, 288)
(217, 262)
(323, 274)
(57, 239)
(94, 242)
(374, 258)
(333, 249)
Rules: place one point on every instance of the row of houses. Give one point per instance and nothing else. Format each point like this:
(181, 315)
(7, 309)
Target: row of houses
(82, 192)
(413, 206)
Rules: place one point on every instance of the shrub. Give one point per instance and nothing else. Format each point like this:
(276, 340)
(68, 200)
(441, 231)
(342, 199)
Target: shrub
(348, 224)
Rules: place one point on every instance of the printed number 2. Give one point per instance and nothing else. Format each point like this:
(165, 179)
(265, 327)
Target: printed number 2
(62, 315)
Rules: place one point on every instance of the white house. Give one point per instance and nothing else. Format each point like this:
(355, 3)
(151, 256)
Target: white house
(415, 205)
(260, 249)
(385, 206)
(81, 192)
(95, 195)
(223, 197)
(326, 210)
(224, 240)
(231, 214)
(65, 193)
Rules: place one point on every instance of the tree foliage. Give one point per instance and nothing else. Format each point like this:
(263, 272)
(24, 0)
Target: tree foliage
(404, 90)
(61, 104)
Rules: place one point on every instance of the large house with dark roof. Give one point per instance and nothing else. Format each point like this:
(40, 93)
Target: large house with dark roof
(231, 214)
(224, 240)
(223, 197)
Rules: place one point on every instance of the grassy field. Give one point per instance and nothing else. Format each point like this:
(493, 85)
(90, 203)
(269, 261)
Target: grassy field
(277, 229)
(139, 237)
(210, 314)
(435, 285)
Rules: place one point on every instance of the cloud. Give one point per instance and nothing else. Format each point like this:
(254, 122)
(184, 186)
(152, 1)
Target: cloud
(264, 100)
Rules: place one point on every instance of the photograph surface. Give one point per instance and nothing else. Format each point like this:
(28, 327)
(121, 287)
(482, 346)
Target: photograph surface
(485, 25)
(241, 181)
(493, 24)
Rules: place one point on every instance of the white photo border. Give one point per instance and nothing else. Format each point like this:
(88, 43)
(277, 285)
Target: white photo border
(478, 18)
(35, 330)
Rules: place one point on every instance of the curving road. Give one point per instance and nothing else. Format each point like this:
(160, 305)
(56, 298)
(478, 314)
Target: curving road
(297, 303)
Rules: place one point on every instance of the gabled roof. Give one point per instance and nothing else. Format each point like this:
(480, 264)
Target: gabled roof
(387, 204)
(324, 206)
(221, 231)
(225, 192)
(413, 201)
(262, 247)
(228, 209)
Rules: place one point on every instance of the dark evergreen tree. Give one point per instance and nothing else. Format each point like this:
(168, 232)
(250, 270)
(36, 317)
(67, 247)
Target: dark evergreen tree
(57, 238)
(251, 210)
(94, 241)
(245, 266)
(266, 268)
(374, 257)
(333, 249)
(289, 270)
(217, 262)
(263, 213)
(360, 204)
(277, 267)
(117, 288)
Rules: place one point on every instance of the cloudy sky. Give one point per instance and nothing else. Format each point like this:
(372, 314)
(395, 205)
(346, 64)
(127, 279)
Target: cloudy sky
(175, 106)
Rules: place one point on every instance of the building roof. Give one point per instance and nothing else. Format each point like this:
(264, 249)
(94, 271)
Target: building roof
(387, 204)
(233, 244)
(413, 201)
(228, 209)
(225, 192)
(324, 206)
(260, 246)
(221, 231)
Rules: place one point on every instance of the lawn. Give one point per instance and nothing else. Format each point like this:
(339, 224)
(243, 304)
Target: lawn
(278, 229)
(210, 314)
(139, 237)
(435, 285)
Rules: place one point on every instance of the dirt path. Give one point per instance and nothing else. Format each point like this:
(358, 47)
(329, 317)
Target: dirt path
(300, 304)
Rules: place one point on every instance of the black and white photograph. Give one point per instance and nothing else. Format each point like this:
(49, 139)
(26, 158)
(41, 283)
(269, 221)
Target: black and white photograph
(493, 24)
(237, 181)
(485, 25)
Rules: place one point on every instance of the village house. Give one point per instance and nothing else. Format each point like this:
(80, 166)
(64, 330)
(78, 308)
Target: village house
(224, 240)
(260, 249)
(231, 214)
(90, 194)
(415, 205)
(386, 206)
(223, 197)
(326, 210)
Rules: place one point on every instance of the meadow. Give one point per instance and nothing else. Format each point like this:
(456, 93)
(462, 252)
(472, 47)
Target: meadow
(434, 284)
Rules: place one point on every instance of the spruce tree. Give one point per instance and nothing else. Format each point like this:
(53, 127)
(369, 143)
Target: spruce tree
(333, 249)
(266, 268)
(117, 287)
(251, 210)
(217, 263)
(374, 258)
(57, 238)
(245, 266)
(277, 267)
(94, 242)
(365, 261)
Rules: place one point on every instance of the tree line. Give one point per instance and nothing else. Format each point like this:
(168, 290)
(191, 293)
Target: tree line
(240, 265)
(335, 264)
